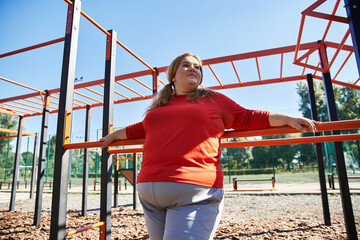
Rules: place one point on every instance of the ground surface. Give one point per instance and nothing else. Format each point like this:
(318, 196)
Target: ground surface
(246, 216)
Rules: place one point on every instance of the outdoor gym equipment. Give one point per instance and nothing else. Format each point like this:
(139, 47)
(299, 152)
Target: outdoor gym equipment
(332, 177)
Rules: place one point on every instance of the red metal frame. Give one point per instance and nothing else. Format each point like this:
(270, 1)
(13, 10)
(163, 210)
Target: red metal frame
(325, 126)
(302, 61)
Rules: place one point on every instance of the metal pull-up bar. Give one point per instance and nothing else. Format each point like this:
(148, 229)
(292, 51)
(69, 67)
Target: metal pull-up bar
(108, 34)
(323, 126)
(32, 47)
(22, 85)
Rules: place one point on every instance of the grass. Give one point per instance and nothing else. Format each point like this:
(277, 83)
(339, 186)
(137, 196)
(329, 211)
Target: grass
(280, 178)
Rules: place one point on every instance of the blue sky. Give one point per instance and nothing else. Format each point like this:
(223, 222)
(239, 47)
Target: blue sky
(157, 31)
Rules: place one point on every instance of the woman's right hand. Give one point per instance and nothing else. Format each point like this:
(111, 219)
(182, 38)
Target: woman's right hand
(106, 141)
(119, 134)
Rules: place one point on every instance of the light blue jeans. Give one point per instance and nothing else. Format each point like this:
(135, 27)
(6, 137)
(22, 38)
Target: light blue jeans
(178, 211)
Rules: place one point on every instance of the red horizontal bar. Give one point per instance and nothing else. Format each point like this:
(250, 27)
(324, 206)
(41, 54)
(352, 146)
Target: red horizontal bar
(84, 229)
(15, 131)
(324, 126)
(125, 150)
(99, 144)
(288, 141)
(32, 47)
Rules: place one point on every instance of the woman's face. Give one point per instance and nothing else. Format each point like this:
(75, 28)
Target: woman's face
(188, 76)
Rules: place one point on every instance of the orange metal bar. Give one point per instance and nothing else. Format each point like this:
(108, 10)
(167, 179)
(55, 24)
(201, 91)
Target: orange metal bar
(299, 37)
(122, 96)
(130, 89)
(310, 12)
(74, 103)
(108, 34)
(237, 75)
(15, 131)
(32, 47)
(270, 142)
(349, 85)
(50, 101)
(17, 102)
(87, 97)
(317, 66)
(142, 84)
(310, 51)
(340, 47)
(307, 59)
(12, 136)
(258, 68)
(28, 100)
(212, 70)
(262, 53)
(8, 104)
(93, 91)
(288, 141)
(343, 64)
(84, 229)
(162, 82)
(125, 150)
(116, 92)
(58, 98)
(22, 85)
(8, 112)
(336, 45)
(96, 151)
(74, 99)
(330, 20)
(99, 144)
(323, 126)
(133, 99)
(356, 81)
(256, 83)
(134, 55)
(235, 57)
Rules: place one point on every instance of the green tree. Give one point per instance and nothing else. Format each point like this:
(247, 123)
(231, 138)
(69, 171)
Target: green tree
(348, 107)
(262, 157)
(274, 156)
(6, 151)
(238, 158)
(26, 158)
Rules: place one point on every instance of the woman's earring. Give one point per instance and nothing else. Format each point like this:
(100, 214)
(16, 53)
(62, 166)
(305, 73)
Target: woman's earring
(173, 88)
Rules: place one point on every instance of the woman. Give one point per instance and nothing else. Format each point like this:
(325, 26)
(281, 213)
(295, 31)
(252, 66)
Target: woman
(180, 184)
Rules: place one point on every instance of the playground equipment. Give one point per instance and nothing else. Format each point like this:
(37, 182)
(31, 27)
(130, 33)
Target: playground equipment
(15, 180)
(66, 103)
(332, 177)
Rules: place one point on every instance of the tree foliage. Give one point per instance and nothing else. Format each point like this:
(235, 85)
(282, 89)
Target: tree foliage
(284, 156)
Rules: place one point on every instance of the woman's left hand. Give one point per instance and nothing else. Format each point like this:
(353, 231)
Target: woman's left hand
(299, 123)
(280, 119)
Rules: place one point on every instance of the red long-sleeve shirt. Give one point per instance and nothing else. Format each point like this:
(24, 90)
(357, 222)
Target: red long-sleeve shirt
(182, 138)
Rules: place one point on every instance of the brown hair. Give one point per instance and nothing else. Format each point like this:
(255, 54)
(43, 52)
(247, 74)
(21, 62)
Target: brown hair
(168, 92)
